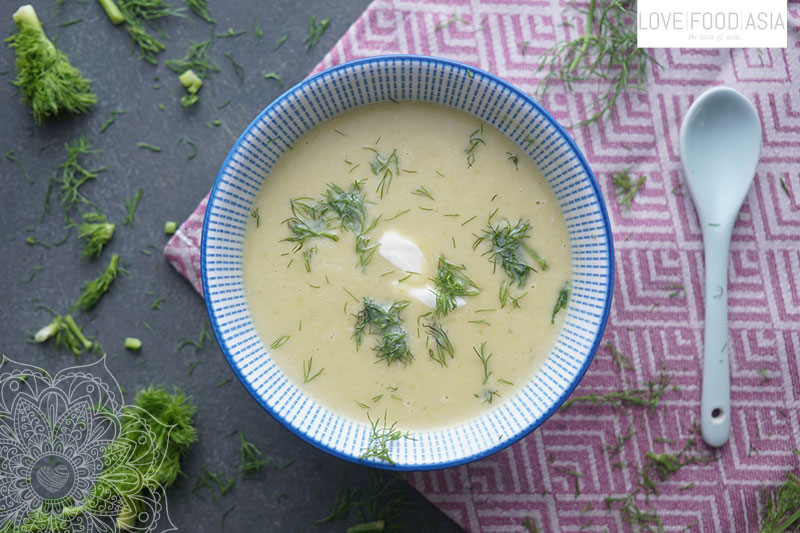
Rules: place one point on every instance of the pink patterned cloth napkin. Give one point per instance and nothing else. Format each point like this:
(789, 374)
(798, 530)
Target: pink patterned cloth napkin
(561, 474)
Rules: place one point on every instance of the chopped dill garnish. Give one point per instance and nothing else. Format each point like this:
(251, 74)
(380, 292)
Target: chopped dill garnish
(111, 119)
(281, 40)
(514, 158)
(484, 361)
(68, 23)
(470, 219)
(561, 303)
(530, 525)
(315, 31)
(308, 253)
(647, 397)
(380, 438)
(505, 381)
(224, 104)
(251, 462)
(225, 514)
(401, 213)
(605, 53)
(197, 59)
(308, 221)
(764, 376)
(157, 304)
(32, 240)
(475, 140)
(273, 76)
(131, 205)
(422, 191)
(351, 210)
(442, 345)
(340, 133)
(230, 33)
(488, 396)
(781, 511)
(676, 289)
(10, 156)
(194, 149)
(505, 243)
(254, 214)
(95, 289)
(482, 321)
(238, 69)
(200, 8)
(34, 270)
(523, 46)
(619, 358)
(626, 186)
(96, 232)
(148, 146)
(307, 375)
(785, 188)
(257, 32)
(362, 405)
(373, 319)
(451, 282)
(135, 13)
(280, 341)
(454, 18)
(505, 295)
(198, 344)
(377, 398)
(644, 520)
(382, 166)
(73, 176)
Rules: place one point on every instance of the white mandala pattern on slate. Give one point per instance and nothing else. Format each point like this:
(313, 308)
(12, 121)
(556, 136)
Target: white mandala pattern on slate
(68, 454)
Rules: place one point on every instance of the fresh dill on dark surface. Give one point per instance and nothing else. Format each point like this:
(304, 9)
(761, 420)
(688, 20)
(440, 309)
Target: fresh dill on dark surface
(252, 461)
(626, 186)
(605, 54)
(96, 231)
(273, 76)
(382, 166)
(506, 241)
(315, 31)
(281, 40)
(475, 140)
(93, 290)
(48, 82)
(442, 347)
(451, 282)
(135, 13)
(380, 439)
(561, 303)
(131, 205)
(200, 8)
(73, 176)
(374, 319)
(11, 157)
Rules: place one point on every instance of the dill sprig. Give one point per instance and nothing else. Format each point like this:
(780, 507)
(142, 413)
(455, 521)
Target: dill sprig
(442, 347)
(198, 344)
(74, 175)
(475, 140)
(96, 231)
(307, 375)
(781, 511)
(484, 361)
(619, 358)
(422, 191)
(349, 206)
(49, 83)
(506, 242)
(451, 282)
(308, 221)
(274, 76)
(130, 205)
(382, 166)
(281, 40)
(505, 295)
(606, 53)
(374, 319)
(315, 31)
(644, 520)
(135, 13)
(647, 397)
(380, 438)
(11, 157)
(626, 186)
(561, 303)
(197, 59)
(95, 289)
(251, 462)
(200, 8)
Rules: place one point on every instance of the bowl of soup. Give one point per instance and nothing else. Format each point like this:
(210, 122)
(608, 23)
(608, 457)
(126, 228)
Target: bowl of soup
(407, 262)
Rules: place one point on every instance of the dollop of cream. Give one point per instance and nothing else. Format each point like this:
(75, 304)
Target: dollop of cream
(400, 252)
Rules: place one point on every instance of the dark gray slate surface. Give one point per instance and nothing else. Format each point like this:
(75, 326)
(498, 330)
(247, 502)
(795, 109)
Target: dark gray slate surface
(288, 496)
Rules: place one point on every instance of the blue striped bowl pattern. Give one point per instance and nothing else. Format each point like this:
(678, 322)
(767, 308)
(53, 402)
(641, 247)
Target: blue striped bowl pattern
(493, 101)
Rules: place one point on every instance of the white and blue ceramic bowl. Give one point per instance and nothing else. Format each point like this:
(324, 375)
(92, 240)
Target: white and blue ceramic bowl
(493, 101)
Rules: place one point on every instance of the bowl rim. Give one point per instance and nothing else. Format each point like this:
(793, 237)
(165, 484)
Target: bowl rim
(470, 70)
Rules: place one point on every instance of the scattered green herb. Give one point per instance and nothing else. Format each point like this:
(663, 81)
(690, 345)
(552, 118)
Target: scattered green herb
(484, 361)
(619, 358)
(380, 438)
(307, 375)
(238, 69)
(254, 214)
(273, 76)
(382, 166)
(73, 176)
(131, 205)
(514, 158)
(280, 341)
(251, 462)
(315, 31)
(561, 303)
(230, 33)
(198, 344)
(11, 157)
(422, 191)
(93, 290)
(505, 243)
(647, 397)
(373, 319)
(200, 8)
(626, 186)
(148, 146)
(442, 347)
(453, 19)
(66, 332)
(281, 40)
(475, 140)
(451, 283)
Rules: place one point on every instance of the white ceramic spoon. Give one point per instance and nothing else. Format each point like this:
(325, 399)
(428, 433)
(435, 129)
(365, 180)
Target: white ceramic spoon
(720, 142)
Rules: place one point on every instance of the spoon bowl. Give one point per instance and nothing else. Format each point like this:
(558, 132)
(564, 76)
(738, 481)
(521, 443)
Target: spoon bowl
(720, 143)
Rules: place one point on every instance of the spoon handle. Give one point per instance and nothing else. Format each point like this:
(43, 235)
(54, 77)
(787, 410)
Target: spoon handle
(715, 403)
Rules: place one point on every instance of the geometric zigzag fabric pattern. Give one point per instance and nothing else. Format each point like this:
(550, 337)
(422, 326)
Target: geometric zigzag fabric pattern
(561, 474)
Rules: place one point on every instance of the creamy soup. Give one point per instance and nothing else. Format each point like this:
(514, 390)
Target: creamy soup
(405, 260)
